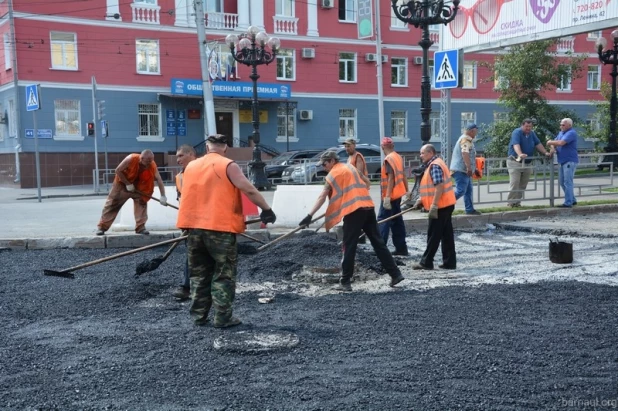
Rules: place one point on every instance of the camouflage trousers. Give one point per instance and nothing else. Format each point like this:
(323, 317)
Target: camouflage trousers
(213, 257)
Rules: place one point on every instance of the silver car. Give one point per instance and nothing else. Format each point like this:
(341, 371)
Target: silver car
(312, 170)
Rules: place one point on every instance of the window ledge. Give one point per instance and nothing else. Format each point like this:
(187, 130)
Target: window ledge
(68, 138)
(399, 85)
(564, 91)
(285, 79)
(148, 74)
(63, 69)
(395, 28)
(281, 139)
(150, 139)
(593, 89)
(400, 139)
(347, 22)
(348, 82)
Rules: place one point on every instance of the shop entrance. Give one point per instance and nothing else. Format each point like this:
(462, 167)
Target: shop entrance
(225, 125)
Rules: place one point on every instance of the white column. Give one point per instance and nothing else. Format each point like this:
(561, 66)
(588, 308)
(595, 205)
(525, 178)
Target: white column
(243, 15)
(113, 7)
(312, 18)
(183, 11)
(257, 14)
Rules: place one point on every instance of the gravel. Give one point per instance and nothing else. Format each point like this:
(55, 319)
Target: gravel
(485, 337)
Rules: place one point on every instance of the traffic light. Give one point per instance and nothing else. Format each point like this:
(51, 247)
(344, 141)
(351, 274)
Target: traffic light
(90, 127)
(101, 109)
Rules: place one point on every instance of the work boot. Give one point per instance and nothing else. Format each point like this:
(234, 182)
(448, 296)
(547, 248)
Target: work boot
(182, 294)
(143, 232)
(444, 267)
(473, 212)
(343, 286)
(100, 232)
(396, 279)
(420, 266)
(233, 321)
(403, 253)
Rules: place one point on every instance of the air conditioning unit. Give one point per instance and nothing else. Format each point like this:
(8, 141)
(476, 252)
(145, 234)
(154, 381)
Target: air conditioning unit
(308, 53)
(370, 57)
(384, 58)
(327, 4)
(305, 114)
(418, 60)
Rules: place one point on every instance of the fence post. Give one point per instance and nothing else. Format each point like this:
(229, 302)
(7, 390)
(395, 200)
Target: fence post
(552, 178)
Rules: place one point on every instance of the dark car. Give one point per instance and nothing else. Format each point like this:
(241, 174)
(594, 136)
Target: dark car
(284, 160)
(313, 171)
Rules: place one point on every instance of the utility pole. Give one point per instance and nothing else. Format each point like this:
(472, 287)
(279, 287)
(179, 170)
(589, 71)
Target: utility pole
(379, 76)
(94, 120)
(210, 127)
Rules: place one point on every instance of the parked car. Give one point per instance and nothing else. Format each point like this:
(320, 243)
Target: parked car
(284, 160)
(313, 170)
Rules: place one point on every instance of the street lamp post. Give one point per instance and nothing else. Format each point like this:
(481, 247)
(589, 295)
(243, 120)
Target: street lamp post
(610, 56)
(424, 13)
(252, 49)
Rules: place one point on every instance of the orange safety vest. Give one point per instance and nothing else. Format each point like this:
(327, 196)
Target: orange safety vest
(348, 193)
(427, 189)
(142, 180)
(396, 163)
(480, 166)
(353, 159)
(199, 208)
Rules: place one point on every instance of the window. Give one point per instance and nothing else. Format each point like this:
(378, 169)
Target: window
(395, 22)
(347, 67)
(500, 116)
(12, 116)
(500, 82)
(213, 6)
(63, 50)
(347, 123)
(594, 122)
(434, 121)
(469, 75)
(8, 54)
(286, 121)
(565, 81)
(467, 118)
(347, 10)
(285, 65)
(399, 71)
(67, 115)
(284, 8)
(594, 35)
(149, 124)
(430, 64)
(147, 52)
(398, 124)
(594, 78)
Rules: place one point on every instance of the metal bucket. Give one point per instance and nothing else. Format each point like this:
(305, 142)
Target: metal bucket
(560, 252)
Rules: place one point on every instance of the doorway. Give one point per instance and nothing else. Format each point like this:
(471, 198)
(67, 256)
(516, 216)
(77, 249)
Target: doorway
(225, 125)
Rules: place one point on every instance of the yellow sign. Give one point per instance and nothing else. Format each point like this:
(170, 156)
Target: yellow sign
(247, 117)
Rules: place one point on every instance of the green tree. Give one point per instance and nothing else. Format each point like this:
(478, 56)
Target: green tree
(523, 76)
(599, 129)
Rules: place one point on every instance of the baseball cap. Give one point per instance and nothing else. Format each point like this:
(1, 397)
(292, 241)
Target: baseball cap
(350, 141)
(218, 139)
(471, 126)
(387, 140)
(329, 155)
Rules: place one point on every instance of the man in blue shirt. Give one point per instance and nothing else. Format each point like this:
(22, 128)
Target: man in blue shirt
(565, 145)
(522, 145)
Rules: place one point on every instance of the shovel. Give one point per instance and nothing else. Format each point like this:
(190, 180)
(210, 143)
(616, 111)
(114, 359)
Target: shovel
(66, 273)
(276, 240)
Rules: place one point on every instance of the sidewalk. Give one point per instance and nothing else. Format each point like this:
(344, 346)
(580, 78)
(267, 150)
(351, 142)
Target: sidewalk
(67, 217)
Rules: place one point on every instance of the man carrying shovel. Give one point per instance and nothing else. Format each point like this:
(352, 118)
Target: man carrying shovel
(349, 199)
(136, 173)
(213, 221)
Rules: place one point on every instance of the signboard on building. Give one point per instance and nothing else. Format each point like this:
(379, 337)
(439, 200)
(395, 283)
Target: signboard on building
(485, 25)
(239, 89)
(41, 133)
(246, 116)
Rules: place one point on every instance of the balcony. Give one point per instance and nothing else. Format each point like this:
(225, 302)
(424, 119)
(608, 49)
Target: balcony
(566, 45)
(435, 37)
(145, 13)
(285, 25)
(221, 21)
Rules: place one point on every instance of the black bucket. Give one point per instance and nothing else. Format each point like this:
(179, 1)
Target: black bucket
(560, 252)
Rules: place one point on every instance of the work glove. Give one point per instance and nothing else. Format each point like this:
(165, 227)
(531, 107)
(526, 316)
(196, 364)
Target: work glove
(433, 212)
(268, 216)
(130, 188)
(163, 200)
(405, 198)
(418, 205)
(386, 203)
(306, 221)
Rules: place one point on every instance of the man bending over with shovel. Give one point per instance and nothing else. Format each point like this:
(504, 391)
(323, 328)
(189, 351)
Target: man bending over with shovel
(349, 199)
(136, 173)
(213, 221)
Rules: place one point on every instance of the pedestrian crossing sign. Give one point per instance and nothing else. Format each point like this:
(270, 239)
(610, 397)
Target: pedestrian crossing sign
(446, 69)
(33, 101)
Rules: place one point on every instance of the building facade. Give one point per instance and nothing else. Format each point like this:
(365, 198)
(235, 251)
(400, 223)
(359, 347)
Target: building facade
(144, 57)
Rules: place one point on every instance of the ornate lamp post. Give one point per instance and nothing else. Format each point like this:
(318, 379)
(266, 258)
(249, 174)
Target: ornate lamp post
(610, 56)
(423, 13)
(252, 49)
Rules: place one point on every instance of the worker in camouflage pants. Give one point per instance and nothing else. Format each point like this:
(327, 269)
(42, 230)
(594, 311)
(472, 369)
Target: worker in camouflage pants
(212, 258)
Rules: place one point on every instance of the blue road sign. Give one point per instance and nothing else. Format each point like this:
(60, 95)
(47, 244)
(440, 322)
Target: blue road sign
(41, 133)
(103, 128)
(33, 101)
(446, 69)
